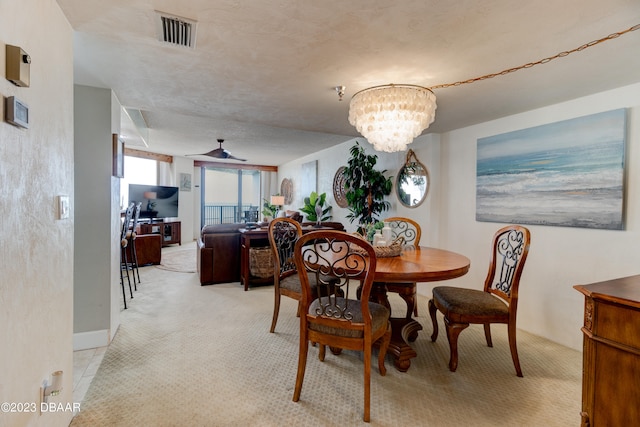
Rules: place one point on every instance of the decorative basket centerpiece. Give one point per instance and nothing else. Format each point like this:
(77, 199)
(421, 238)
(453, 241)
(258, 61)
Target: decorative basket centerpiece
(394, 249)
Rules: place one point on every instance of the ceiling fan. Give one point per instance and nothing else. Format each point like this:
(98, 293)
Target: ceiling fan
(219, 153)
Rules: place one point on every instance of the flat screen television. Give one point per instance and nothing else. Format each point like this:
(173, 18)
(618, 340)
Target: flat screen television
(157, 201)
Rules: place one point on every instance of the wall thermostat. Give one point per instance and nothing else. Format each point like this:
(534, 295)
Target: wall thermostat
(18, 66)
(17, 112)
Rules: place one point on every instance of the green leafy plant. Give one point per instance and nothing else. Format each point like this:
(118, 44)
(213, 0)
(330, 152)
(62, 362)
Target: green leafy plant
(269, 210)
(316, 201)
(366, 187)
(372, 228)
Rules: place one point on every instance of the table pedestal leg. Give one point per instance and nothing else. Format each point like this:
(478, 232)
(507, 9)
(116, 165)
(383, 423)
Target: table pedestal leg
(403, 329)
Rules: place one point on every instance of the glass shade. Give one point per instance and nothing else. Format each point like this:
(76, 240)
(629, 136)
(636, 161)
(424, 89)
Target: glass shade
(392, 116)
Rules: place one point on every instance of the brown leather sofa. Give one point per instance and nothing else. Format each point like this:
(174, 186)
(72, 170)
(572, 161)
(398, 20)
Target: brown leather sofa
(219, 253)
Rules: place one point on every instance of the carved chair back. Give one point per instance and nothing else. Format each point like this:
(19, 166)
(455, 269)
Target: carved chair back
(283, 234)
(339, 263)
(509, 253)
(405, 228)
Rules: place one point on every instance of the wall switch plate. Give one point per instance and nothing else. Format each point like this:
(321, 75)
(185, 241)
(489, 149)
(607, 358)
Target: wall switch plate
(63, 207)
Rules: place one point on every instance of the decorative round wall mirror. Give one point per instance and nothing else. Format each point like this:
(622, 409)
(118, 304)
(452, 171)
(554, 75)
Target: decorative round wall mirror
(412, 183)
(286, 190)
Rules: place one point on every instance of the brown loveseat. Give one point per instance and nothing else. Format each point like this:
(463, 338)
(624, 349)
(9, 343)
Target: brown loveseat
(219, 253)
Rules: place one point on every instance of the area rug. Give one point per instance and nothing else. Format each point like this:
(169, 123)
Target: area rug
(181, 261)
(191, 355)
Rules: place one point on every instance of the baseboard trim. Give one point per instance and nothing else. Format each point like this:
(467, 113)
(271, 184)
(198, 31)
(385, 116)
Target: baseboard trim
(92, 339)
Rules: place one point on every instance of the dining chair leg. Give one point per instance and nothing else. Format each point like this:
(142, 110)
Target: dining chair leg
(453, 331)
(322, 352)
(487, 334)
(367, 382)
(302, 364)
(433, 312)
(514, 348)
(384, 346)
(276, 310)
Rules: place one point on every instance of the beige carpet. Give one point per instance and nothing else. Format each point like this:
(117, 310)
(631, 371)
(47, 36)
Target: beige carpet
(182, 260)
(187, 355)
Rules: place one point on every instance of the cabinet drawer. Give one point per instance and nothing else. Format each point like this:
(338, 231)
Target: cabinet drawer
(617, 323)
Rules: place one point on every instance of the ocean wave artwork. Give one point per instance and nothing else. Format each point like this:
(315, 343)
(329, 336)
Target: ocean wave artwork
(569, 173)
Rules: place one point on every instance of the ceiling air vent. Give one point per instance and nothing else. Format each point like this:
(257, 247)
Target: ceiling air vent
(175, 30)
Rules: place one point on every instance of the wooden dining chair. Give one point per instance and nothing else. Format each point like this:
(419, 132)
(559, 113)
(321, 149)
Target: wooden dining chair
(283, 234)
(410, 232)
(338, 319)
(497, 303)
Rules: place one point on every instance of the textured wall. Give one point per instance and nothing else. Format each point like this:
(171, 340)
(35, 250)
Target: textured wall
(97, 292)
(36, 249)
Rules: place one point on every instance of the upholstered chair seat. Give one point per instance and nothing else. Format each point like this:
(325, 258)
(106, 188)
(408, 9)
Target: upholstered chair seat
(379, 318)
(457, 303)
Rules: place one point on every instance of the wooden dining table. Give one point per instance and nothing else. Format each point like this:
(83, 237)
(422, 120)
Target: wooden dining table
(422, 264)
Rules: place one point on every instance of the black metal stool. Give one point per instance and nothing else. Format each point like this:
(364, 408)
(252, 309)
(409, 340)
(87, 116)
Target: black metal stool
(123, 252)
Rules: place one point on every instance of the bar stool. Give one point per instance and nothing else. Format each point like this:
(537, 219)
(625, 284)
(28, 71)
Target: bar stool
(131, 242)
(123, 253)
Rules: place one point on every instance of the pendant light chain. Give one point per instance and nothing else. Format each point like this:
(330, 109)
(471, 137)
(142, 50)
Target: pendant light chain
(542, 61)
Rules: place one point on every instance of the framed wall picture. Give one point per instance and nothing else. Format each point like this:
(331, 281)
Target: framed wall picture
(308, 178)
(568, 173)
(185, 182)
(118, 156)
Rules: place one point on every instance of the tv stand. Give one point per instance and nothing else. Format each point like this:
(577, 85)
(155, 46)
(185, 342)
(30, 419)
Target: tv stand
(169, 230)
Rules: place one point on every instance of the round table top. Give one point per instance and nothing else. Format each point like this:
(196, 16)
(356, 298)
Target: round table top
(422, 264)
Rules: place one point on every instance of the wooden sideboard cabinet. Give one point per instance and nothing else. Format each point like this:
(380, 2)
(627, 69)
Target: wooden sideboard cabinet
(611, 353)
(169, 230)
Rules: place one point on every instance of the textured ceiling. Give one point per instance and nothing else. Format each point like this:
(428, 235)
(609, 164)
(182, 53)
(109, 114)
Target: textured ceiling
(263, 72)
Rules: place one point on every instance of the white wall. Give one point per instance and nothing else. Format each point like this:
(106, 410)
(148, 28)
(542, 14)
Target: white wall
(97, 290)
(559, 258)
(36, 250)
(186, 199)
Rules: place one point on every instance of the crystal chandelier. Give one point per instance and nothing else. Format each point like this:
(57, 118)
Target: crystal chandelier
(391, 116)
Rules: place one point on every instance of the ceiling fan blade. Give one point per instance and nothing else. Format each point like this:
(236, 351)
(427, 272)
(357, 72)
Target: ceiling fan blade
(219, 153)
(236, 158)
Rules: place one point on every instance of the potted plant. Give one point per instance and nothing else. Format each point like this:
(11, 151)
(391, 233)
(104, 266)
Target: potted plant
(314, 207)
(269, 211)
(366, 187)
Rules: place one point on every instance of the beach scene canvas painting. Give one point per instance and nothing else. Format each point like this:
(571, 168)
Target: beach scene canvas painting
(568, 173)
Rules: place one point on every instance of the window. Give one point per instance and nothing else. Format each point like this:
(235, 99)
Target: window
(230, 195)
(137, 171)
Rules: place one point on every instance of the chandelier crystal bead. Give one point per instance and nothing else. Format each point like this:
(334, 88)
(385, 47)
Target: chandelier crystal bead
(391, 116)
